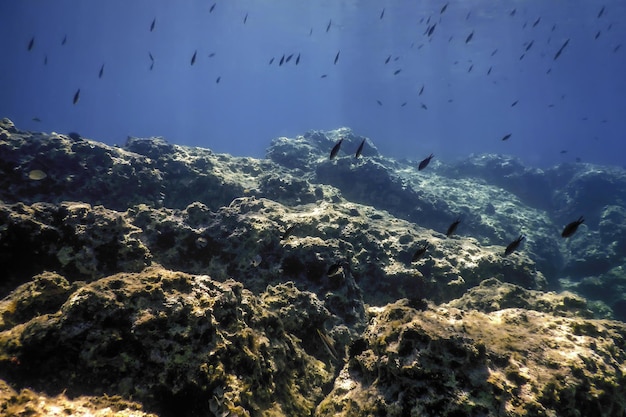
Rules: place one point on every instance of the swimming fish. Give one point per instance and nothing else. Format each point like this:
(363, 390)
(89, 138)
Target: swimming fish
(245, 18)
(514, 103)
(336, 58)
(469, 37)
(511, 247)
(360, 149)
(420, 252)
(212, 54)
(36, 119)
(152, 24)
(425, 162)
(443, 9)
(558, 53)
(45, 60)
(282, 60)
(212, 7)
(74, 136)
(335, 149)
(380, 103)
(217, 80)
(494, 52)
(421, 90)
(600, 13)
(431, 30)
(530, 44)
(537, 21)
(287, 232)
(193, 58)
(323, 75)
(271, 61)
(64, 40)
(37, 175)
(489, 71)
(382, 14)
(452, 227)
(150, 55)
(328, 343)
(329, 23)
(298, 59)
(31, 43)
(571, 228)
(76, 96)
(507, 136)
(387, 60)
(422, 105)
(288, 58)
(598, 34)
(396, 72)
(101, 71)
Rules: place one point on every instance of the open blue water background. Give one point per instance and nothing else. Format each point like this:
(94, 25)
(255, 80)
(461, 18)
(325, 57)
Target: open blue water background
(568, 108)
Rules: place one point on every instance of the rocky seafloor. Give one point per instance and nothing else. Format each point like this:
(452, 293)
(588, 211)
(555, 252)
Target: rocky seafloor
(161, 280)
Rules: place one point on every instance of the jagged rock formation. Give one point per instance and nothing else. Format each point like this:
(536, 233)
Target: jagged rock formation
(163, 279)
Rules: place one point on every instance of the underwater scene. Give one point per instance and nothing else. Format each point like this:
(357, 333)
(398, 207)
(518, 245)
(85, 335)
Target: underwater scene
(313, 208)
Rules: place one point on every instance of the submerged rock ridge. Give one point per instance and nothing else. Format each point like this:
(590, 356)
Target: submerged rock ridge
(162, 280)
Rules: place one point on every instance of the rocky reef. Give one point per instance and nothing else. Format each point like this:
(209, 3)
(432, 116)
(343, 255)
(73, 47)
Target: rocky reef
(157, 279)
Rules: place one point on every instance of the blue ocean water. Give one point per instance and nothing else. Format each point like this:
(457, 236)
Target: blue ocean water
(233, 100)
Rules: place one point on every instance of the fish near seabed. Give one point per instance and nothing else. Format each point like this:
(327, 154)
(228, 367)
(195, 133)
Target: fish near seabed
(360, 149)
(452, 227)
(571, 228)
(511, 247)
(76, 96)
(420, 252)
(335, 149)
(425, 162)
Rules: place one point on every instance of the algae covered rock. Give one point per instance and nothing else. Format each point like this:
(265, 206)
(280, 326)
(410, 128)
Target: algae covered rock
(179, 344)
(449, 362)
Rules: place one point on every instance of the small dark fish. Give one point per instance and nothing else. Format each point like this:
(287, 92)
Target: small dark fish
(288, 58)
(45, 60)
(271, 61)
(617, 48)
(151, 66)
(494, 52)
(335, 149)
(470, 68)
(212, 54)
(101, 71)
(324, 76)
(452, 227)
(601, 12)
(64, 41)
(549, 71)
(330, 22)
(537, 21)
(310, 31)
(564, 151)
(245, 18)
(597, 34)
(298, 59)
(469, 37)
(212, 7)
(328, 344)
(151, 57)
(571, 228)
(431, 30)
(193, 58)
(468, 15)
(36, 119)
(287, 232)
(558, 53)
(76, 96)
(507, 136)
(530, 44)
(514, 103)
(388, 59)
(74, 136)
(217, 80)
(553, 27)
(282, 60)
(512, 12)
(522, 56)
(420, 252)
(403, 104)
(489, 71)
(336, 58)
(422, 105)
(31, 43)
(398, 71)
(425, 162)
(382, 14)
(443, 9)
(334, 269)
(511, 247)
(360, 149)
(152, 24)
(421, 90)
(380, 103)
